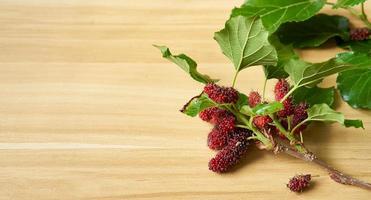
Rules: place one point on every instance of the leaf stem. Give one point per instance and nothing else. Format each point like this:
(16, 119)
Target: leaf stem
(289, 93)
(364, 17)
(298, 125)
(235, 79)
(264, 87)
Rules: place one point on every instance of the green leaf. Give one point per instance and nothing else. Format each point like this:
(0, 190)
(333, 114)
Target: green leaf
(245, 42)
(247, 110)
(358, 46)
(347, 3)
(266, 109)
(308, 34)
(315, 95)
(356, 123)
(186, 63)
(308, 74)
(276, 12)
(242, 101)
(197, 104)
(323, 113)
(285, 53)
(355, 85)
(358, 60)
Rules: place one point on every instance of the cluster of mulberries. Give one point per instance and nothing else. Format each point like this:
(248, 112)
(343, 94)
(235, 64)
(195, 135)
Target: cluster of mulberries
(359, 34)
(297, 112)
(231, 154)
(299, 182)
(221, 94)
(261, 122)
(225, 137)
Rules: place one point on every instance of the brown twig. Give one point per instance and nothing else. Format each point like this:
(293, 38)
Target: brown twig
(333, 173)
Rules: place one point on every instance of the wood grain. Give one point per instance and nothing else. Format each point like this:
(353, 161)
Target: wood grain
(89, 110)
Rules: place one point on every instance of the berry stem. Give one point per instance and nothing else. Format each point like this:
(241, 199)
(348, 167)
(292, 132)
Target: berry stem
(297, 126)
(247, 125)
(334, 174)
(288, 135)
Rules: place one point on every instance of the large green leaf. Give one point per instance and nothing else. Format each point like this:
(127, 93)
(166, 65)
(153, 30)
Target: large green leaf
(347, 3)
(308, 74)
(285, 53)
(244, 41)
(186, 63)
(276, 12)
(308, 34)
(323, 113)
(314, 95)
(355, 85)
(197, 104)
(358, 46)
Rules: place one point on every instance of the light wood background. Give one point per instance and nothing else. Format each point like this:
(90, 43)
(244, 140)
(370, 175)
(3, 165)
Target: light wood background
(89, 109)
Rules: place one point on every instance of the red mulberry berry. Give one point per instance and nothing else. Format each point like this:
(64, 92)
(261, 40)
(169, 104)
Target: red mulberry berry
(229, 156)
(300, 114)
(288, 108)
(240, 134)
(226, 123)
(359, 34)
(254, 99)
(281, 88)
(210, 114)
(217, 139)
(221, 94)
(299, 182)
(262, 122)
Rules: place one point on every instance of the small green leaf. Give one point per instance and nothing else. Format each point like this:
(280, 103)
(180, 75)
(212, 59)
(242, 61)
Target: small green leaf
(245, 42)
(242, 101)
(275, 13)
(308, 74)
(285, 53)
(266, 109)
(356, 123)
(355, 85)
(197, 104)
(247, 110)
(315, 95)
(308, 34)
(347, 3)
(186, 63)
(322, 112)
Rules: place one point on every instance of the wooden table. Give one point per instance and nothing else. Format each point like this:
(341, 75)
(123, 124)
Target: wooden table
(89, 109)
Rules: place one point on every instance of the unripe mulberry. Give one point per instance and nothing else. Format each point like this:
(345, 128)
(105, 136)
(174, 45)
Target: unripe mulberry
(299, 182)
(230, 155)
(254, 99)
(281, 88)
(262, 122)
(221, 94)
(217, 139)
(359, 34)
